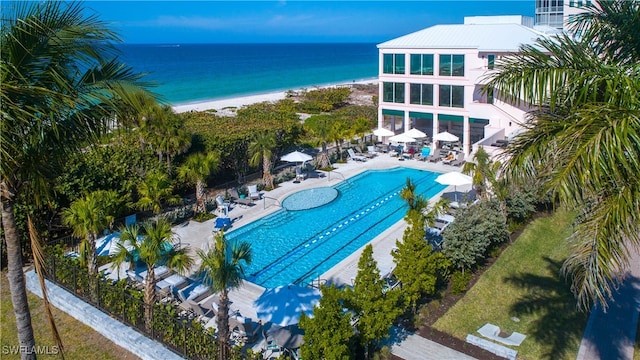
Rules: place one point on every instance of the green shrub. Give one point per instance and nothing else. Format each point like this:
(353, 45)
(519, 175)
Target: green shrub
(460, 281)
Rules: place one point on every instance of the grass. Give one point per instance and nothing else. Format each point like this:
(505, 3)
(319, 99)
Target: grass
(79, 340)
(524, 291)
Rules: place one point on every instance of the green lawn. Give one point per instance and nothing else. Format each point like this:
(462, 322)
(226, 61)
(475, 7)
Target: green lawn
(526, 283)
(79, 340)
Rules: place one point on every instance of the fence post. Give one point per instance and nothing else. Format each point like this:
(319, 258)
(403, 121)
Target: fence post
(53, 270)
(124, 306)
(75, 280)
(184, 338)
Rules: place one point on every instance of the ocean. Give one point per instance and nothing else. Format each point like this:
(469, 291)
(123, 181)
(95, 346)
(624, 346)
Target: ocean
(190, 73)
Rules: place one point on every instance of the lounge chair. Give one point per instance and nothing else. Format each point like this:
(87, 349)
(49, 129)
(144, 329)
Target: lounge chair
(194, 292)
(242, 202)
(435, 157)
(371, 150)
(459, 161)
(223, 206)
(355, 157)
(247, 329)
(254, 194)
(424, 154)
(300, 175)
(449, 158)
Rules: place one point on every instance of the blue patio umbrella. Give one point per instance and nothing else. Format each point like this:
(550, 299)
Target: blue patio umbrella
(284, 304)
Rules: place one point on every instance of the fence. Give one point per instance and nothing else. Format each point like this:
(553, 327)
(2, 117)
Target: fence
(178, 330)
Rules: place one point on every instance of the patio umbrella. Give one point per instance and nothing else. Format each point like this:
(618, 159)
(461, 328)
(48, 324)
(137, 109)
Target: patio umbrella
(454, 178)
(296, 156)
(283, 305)
(445, 136)
(416, 133)
(290, 337)
(403, 138)
(383, 132)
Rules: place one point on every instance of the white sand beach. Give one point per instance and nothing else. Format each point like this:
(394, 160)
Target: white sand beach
(228, 106)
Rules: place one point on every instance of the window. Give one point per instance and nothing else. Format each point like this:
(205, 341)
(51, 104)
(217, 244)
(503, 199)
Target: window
(421, 94)
(393, 63)
(393, 92)
(421, 64)
(490, 96)
(451, 65)
(451, 96)
(491, 61)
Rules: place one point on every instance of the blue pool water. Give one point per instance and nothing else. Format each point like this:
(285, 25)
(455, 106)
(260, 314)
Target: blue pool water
(298, 246)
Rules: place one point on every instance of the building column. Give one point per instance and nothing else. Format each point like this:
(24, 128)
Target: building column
(466, 134)
(407, 121)
(436, 125)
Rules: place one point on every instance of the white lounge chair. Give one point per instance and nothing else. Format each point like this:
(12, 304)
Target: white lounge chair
(300, 175)
(355, 157)
(371, 150)
(254, 194)
(459, 160)
(223, 206)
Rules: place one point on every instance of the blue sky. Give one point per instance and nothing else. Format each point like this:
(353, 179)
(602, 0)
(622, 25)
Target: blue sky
(173, 22)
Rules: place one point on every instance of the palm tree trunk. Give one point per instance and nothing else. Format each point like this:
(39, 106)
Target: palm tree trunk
(200, 196)
(149, 297)
(15, 276)
(267, 179)
(93, 258)
(223, 325)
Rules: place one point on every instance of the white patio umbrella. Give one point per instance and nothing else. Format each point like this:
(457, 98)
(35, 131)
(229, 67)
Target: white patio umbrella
(283, 305)
(454, 178)
(296, 156)
(383, 132)
(416, 133)
(445, 136)
(403, 138)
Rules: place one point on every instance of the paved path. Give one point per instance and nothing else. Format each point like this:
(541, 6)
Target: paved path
(410, 346)
(611, 335)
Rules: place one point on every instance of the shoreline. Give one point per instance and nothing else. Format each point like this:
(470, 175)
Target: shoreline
(233, 103)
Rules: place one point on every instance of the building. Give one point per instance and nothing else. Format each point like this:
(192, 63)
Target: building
(432, 79)
(557, 13)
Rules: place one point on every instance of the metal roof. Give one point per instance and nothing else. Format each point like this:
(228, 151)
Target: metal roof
(484, 37)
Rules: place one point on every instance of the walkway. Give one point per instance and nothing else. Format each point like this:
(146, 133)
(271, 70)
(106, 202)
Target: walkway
(611, 335)
(410, 346)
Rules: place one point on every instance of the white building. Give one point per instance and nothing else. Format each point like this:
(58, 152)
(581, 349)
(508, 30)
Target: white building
(557, 13)
(432, 79)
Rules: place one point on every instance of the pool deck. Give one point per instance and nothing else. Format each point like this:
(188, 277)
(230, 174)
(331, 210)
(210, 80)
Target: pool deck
(199, 235)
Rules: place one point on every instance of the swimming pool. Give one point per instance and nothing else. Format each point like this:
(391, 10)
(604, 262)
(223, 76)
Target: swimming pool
(294, 247)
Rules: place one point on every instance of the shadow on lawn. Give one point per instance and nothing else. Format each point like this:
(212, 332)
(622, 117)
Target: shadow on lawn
(559, 324)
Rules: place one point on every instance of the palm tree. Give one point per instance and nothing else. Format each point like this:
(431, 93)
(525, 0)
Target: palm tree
(418, 203)
(60, 79)
(320, 127)
(223, 270)
(88, 217)
(155, 247)
(155, 190)
(484, 172)
(195, 170)
(583, 137)
(165, 132)
(339, 131)
(262, 149)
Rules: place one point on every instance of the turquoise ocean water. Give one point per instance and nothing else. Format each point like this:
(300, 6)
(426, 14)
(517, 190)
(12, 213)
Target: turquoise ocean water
(198, 72)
